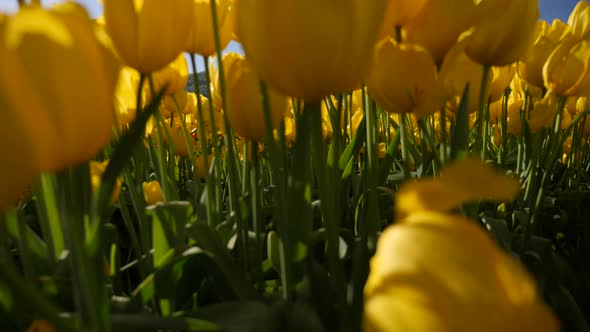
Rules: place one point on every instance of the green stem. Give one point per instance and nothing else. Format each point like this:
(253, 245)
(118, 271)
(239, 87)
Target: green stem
(404, 142)
(328, 185)
(211, 197)
(229, 142)
(481, 123)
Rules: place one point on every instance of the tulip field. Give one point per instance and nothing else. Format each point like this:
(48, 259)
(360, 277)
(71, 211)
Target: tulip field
(375, 166)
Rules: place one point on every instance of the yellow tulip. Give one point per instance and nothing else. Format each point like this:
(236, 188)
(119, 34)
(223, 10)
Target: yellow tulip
(96, 170)
(399, 13)
(57, 81)
(202, 167)
(148, 34)
(501, 78)
(514, 120)
(41, 326)
(201, 40)
(496, 136)
(152, 192)
(190, 103)
(290, 130)
(309, 48)
(170, 103)
(543, 113)
(245, 110)
(571, 105)
(217, 114)
(419, 90)
(180, 147)
(566, 119)
(579, 20)
(126, 95)
(173, 76)
(519, 86)
(567, 70)
(531, 65)
(434, 271)
(503, 31)
(456, 71)
(438, 25)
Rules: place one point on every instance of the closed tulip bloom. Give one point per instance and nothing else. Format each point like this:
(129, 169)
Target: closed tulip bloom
(126, 95)
(531, 65)
(501, 78)
(419, 90)
(438, 25)
(201, 165)
(59, 81)
(514, 120)
(503, 31)
(579, 20)
(152, 192)
(456, 71)
(201, 39)
(543, 113)
(310, 48)
(435, 271)
(245, 110)
(148, 34)
(173, 76)
(567, 70)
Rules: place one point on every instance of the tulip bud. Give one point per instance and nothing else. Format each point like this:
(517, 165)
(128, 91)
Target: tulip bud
(173, 76)
(309, 48)
(503, 31)
(201, 39)
(148, 34)
(419, 90)
(245, 110)
(152, 192)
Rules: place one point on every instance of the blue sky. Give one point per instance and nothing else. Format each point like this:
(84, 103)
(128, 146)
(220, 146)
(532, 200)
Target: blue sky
(550, 9)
